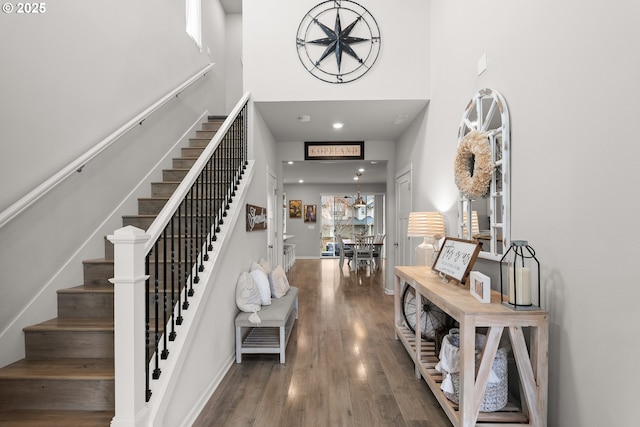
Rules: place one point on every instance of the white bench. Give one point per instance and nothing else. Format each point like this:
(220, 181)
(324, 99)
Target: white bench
(272, 334)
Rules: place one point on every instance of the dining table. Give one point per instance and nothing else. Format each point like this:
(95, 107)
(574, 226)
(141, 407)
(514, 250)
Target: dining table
(377, 247)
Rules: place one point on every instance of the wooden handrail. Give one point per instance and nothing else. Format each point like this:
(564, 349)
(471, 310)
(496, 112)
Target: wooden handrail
(77, 165)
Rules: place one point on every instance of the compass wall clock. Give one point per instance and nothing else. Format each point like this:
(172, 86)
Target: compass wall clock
(338, 41)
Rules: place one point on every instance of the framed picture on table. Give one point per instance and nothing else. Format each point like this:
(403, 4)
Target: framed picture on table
(480, 286)
(456, 258)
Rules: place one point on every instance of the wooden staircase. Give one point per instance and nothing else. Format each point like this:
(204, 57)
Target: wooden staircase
(67, 375)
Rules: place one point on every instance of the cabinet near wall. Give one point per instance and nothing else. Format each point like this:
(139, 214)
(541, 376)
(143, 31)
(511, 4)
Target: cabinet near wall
(528, 332)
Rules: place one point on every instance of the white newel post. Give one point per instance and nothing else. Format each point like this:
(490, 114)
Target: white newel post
(129, 330)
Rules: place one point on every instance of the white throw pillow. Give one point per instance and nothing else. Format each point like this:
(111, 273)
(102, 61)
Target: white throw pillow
(262, 281)
(265, 266)
(279, 281)
(247, 294)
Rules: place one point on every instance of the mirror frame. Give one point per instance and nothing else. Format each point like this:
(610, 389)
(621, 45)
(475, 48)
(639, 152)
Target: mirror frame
(480, 114)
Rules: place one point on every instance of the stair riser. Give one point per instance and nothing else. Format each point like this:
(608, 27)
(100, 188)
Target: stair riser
(199, 143)
(179, 245)
(212, 126)
(76, 344)
(85, 305)
(106, 309)
(154, 206)
(163, 189)
(99, 274)
(143, 222)
(190, 153)
(205, 134)
(183, 163)
(85, 395)
(174, 175)
(166, 189)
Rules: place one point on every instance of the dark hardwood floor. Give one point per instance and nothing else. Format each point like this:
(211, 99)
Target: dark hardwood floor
(344, 366)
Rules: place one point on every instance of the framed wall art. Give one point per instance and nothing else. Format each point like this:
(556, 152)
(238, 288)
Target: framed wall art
(256, 218)
(309, 213)
(295, 208)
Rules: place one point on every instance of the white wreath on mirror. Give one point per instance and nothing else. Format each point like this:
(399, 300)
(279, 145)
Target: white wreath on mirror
(473, 165)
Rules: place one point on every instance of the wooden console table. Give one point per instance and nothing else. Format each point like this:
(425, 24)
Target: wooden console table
(531, 360)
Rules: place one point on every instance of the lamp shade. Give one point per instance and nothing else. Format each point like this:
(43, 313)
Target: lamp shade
(426, 224)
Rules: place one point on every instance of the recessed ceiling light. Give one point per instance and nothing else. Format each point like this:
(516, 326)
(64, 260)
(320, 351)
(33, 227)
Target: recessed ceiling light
(338, 125)
(304, 118)
(290, 162)
(301, 181)
(355, 178)
(361, 170)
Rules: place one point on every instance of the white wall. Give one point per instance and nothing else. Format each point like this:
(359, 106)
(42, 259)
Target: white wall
(273, 71)
(571, 84)
(233, 69)
(75, 73)
(70, 77)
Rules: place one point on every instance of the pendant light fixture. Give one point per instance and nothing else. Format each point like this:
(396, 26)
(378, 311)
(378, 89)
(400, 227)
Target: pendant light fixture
(359, 203)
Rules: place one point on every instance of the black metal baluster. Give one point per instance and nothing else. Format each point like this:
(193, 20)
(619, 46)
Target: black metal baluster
(192, 243)
(181, 264)
(187, 241)
(209, 206)
(172, 333)
(156, 371)
(165, 350)
(245, 148)
(147, 335)
(202, 218)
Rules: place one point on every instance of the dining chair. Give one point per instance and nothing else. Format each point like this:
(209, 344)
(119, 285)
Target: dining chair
(363, 252)
(377, 248)
(344, 252)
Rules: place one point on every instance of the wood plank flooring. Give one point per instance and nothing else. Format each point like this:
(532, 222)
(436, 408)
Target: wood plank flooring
(343, 368)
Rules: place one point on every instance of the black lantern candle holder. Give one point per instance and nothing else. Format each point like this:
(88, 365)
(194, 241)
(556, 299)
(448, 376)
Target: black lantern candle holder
(521, 278)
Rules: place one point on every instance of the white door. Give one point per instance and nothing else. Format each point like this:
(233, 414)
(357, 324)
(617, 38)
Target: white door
(403, 207)
(273, 245)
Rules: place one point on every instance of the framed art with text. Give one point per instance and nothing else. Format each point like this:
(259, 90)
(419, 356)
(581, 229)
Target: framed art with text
(456, 258)
(334, 150)
(256, 218)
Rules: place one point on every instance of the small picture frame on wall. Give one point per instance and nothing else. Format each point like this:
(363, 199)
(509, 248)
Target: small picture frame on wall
(480, 286)
(309, 213)
(295, 208)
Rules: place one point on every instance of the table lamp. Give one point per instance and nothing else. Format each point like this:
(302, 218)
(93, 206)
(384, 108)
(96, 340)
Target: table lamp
(429, 225)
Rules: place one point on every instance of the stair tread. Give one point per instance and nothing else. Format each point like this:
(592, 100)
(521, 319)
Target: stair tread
(59, 369)
(94, 289)
(73, 324)
(98, 261)
(44, 418)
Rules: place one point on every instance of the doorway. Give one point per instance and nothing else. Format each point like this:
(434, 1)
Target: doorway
(340, 217)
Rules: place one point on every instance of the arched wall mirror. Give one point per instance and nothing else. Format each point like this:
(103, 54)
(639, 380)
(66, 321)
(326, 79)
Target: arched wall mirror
(482, 173)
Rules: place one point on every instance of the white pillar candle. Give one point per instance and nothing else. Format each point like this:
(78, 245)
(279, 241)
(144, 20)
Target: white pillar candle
(522, 286)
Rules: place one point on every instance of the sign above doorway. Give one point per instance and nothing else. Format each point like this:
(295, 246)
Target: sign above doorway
(334, 150)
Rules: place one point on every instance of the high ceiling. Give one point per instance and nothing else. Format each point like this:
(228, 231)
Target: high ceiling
(363, 121)
(371, 120)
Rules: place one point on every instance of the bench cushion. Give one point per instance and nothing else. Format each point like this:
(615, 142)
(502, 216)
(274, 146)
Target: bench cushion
(274, 315)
